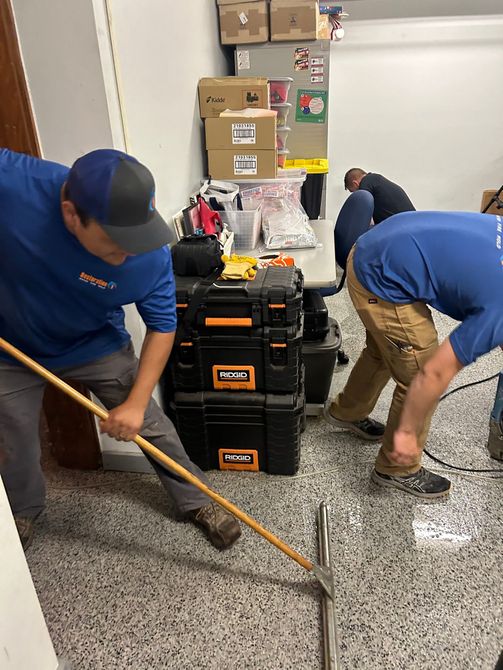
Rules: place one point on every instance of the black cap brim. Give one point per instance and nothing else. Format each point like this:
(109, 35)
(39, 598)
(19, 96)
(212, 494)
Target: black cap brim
(143, 238)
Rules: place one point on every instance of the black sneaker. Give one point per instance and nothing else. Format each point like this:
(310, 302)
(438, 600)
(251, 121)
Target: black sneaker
(422, 484)
(221, 527)
(495, 442)
(25, 530)
(368, 428)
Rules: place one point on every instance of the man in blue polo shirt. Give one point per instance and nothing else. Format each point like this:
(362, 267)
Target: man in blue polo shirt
(75, 246)
(453, 262)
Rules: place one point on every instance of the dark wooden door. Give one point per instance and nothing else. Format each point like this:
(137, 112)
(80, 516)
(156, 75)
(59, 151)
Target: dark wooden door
(71, 433)
(17, 128)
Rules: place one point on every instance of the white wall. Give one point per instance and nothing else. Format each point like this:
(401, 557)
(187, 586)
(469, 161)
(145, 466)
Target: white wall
(162, 49)
(394, 9)
(24, 638)
(418, 100)
(59, 46)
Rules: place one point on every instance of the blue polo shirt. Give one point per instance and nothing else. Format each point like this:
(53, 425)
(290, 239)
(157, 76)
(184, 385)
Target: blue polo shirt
(58, 303)
(451, 260)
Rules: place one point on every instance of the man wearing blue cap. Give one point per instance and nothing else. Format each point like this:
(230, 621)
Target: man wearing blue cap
(75, 246)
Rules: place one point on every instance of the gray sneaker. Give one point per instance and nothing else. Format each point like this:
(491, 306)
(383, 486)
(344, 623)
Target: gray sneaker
(368, 429)
(221, 527)
(422, 484)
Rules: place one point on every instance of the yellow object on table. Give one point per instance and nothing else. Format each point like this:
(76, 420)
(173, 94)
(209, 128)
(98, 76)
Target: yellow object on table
(238, 267)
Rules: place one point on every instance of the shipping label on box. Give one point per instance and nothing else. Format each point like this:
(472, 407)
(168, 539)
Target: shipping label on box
(244, 133)
(229, 164)
(221, 93)
(245, 164)
(243, 22)
(228, 131)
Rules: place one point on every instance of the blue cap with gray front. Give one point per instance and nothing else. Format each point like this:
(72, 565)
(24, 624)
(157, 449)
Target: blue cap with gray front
(119, 192)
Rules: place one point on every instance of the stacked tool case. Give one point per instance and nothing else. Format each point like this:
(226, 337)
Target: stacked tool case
(322, 341)
(236, 372)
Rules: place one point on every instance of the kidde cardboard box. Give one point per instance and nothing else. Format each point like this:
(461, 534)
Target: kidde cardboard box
(243, 22)
(219, 93)
(241, 132)
(249, 164)
(298, 20)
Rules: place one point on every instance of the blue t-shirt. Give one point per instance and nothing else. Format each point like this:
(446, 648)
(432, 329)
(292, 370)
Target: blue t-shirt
(451, 260)
(58, 303)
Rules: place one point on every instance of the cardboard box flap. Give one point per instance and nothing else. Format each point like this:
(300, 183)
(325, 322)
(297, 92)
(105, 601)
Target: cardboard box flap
(240, 82)
(249, 112)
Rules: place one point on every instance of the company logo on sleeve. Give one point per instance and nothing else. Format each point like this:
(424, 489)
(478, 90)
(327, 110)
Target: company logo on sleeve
(96, 281)
(499, 236)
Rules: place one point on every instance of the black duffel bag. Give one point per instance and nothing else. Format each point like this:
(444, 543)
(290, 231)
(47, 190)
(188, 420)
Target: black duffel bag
(197, 256)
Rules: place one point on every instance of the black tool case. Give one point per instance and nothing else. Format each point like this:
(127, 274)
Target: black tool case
(273, 298)
(241, 431)
(316, 326)
(319, 359)
(256, 359)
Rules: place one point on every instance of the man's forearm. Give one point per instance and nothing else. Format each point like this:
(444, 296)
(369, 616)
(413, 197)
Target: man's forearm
(154, 355)
(422, 398)
(427, 387)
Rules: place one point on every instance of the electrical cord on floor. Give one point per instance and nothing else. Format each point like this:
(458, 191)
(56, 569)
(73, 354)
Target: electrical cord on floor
(457, 467)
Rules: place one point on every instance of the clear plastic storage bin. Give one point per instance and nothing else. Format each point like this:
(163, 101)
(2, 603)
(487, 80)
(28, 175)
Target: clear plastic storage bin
(281, 136)
(246, 226)
(283, 110)
(278, 89)
(282, 156)
(287, 186)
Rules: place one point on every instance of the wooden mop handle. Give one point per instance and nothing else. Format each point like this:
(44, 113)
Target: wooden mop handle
(149, 448)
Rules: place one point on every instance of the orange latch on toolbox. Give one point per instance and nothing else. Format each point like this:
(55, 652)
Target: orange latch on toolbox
(228, 322)
(234, 377)
(238, 459)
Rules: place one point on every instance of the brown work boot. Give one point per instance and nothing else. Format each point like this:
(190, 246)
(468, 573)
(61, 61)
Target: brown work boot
(221, 527)
(25, 530)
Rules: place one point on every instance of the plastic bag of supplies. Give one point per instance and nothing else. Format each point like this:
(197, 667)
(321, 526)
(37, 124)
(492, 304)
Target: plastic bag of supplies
(286, 225)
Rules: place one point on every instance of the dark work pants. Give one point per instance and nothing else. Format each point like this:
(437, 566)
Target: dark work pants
(110, 379)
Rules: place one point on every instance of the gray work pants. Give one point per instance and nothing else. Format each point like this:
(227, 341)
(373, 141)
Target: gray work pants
(110, 379)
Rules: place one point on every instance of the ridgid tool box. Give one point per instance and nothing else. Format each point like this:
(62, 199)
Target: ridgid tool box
(236, 373)
(258, 359)
(273, 298)
(241, 431)
(245, 335)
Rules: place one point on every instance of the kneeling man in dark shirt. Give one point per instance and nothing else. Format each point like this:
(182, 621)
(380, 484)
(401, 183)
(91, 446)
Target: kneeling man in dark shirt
(389, 198)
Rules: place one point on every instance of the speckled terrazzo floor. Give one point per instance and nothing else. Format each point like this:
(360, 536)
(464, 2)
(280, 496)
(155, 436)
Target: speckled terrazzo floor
(419, 586)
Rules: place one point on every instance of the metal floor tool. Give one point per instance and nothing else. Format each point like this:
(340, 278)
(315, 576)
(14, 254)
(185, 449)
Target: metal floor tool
(321, 573)
(330, 638)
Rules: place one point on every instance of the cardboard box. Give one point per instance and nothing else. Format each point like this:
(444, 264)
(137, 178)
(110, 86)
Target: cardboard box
(241, 133)
(295, 20)
(234, 163)
(243, 22)
(219, 93)
(486, 197)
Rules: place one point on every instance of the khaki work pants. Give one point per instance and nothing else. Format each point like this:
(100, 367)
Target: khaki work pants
(400, 339)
